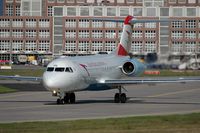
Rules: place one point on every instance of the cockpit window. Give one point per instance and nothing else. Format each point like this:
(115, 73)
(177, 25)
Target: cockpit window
(50, 69)
(59, 69)
(69, 69)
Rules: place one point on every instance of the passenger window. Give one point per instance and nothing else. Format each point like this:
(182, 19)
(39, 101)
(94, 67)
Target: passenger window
(59, 69)
(50, 69)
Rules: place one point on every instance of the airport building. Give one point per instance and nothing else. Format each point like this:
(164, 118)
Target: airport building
(63, 27)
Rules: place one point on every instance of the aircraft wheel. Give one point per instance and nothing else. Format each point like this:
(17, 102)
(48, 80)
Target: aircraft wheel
(72, 98)
(123, 98)
(117, 98)
(62, 101)
(66, 98)
(58, 101)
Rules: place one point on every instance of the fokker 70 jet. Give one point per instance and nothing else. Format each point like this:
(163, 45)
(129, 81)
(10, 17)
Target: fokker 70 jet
(67, 75)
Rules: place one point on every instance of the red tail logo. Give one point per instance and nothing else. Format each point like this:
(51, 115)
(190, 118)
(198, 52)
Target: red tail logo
(122, 51)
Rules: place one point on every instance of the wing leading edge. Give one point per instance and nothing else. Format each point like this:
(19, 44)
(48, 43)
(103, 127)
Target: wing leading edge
(22, 78)
(151, 81)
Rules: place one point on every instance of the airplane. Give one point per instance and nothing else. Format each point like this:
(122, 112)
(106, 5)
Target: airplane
(66, 75)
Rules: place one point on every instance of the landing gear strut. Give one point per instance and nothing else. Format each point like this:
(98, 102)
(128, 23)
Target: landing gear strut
(120, 97)
(67, 98)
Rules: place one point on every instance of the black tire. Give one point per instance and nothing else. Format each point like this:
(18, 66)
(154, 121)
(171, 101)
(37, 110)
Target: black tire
(58, 101)
(66, 98)
(62, 101)
(117, 98)
(123, 98)
(72, 98)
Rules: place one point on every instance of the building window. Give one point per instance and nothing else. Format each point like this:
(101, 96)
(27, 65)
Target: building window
(110, 34)
(177, 47)
(51, 1)
(71, 11)
(192, 1)
(138, 25)
(44, 23)
(97, 46)
(70, 23)
(190, 23)
(17, 23)
(31, 33)
(83, 34)
(98, 11)
(150, 25)
(4, 22)
(50, 11)
(190, 34)
(110, 24)
(111, 11)
(150, 47)
(84, 11)
(182, 1)
(31, 23)
(137, 11)
(177, 34)
(150, 34)
(137, 47)
(17, 45)
(124, 11)
(97, 34)
(83, 23)
(70, 34)
(18, 33)
(151, 12)
(137, 34)
(70, 46)
(177, 12)
(83, 46)
(164, 11)
(44, 34)
(44, 46)
(97, 24)
(110, 45)
(17, 10)
(176, 24)
(191, 11)
(70, 1)
(30, 46)
(4, 33)
(190, 47)
(9, 10)
(4, 45)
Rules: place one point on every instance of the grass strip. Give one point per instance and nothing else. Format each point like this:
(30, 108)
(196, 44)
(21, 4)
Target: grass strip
(6, 90)
(189, 123)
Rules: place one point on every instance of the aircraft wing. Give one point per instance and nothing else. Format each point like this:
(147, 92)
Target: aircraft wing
(21, 78)
(152, 80)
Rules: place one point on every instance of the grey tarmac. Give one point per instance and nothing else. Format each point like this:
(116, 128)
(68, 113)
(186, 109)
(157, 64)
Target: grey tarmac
(39, 105)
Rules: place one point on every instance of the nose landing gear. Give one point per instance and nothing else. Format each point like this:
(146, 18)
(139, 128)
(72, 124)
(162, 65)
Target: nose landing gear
(66, 98)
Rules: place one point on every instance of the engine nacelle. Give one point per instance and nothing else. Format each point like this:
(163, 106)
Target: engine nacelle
(133, 67)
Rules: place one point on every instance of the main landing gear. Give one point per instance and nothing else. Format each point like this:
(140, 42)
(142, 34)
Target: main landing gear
(120, 97)
(67, 98)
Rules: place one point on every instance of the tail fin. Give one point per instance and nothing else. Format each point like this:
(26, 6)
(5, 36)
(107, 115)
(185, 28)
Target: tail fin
(125, 41)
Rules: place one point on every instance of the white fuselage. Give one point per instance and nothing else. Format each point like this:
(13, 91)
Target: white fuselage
(86, 70)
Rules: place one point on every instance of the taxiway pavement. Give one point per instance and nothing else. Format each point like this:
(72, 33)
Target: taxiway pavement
(143, 100)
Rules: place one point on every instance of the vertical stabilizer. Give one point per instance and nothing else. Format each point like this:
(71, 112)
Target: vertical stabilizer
(125, 41)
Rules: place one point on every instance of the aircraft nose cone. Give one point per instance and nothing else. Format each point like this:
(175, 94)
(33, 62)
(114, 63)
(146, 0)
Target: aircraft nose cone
(48, 82)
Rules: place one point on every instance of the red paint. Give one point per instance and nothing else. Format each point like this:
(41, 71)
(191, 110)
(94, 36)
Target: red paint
(122, 51)
(127, 19)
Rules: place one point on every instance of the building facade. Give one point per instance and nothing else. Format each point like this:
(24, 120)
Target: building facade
(63, 27)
